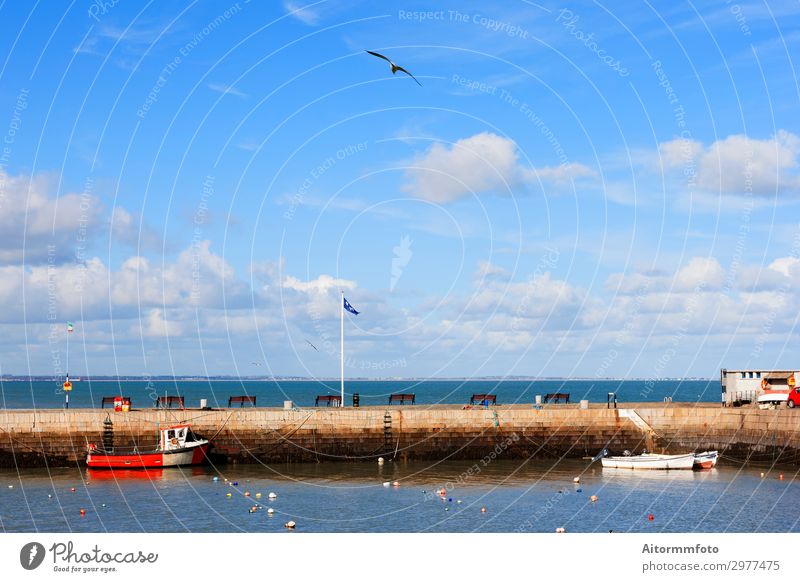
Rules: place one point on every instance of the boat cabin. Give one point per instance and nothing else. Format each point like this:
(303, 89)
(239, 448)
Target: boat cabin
(745, 386)
(176, 437)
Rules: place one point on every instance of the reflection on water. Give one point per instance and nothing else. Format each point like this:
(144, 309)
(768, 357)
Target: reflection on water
(336, 497)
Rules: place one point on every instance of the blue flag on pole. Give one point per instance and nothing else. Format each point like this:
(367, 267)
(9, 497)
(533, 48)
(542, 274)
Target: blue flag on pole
(349, 307)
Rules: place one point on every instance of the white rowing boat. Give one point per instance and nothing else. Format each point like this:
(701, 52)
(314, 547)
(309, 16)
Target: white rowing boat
(650, 461)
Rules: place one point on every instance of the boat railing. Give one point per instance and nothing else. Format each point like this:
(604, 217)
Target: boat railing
(126, 450)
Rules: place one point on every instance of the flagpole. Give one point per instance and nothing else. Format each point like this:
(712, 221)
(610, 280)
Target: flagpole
(66, 392)
(341, 312)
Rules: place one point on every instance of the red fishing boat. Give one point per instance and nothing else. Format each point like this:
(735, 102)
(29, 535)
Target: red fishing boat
(177, 445)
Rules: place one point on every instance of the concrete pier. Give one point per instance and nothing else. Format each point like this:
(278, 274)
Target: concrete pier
(30, 438)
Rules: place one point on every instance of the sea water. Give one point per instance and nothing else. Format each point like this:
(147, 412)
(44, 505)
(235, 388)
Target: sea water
(88, 394)
(518, 496)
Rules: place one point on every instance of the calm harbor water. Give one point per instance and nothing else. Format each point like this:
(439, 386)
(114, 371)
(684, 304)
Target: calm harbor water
(345, 497)
(85, 394)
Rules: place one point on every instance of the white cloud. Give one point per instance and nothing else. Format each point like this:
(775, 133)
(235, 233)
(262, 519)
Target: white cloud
(133, 231)
(228, 90)
(488, 269)
(700, 273)
(36, 226)
(738, 164)
(484, 162)
(788, 266)
(321, 285)
(156, 325)
(301, 13)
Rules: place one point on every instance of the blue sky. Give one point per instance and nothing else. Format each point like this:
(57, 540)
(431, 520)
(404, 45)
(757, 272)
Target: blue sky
(575, 189)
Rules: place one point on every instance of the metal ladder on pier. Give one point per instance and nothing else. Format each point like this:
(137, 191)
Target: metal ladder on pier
(387, 432)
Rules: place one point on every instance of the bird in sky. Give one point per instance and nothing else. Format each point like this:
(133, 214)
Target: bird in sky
(312, 345)
(395, 67)
(255, 363)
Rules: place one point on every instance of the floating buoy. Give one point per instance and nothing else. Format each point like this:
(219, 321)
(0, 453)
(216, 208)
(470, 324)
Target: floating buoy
(226, 479)
(103, 505)
(290, 525)
(215, 478)
(386, 484)
(83, 512)
(593, 498)
(443, 492)
(380, 460)
(450, 500)
(272, 495)
(561, 530)
(396, 484)
(235, 483)
(762, 475)
(459, 501)
(258, 495)
(651, 517)
(49, 496)
(447, 509)
(576, 480)
(579, 490)
(270, 511)
(247, 494)
(483, 510)
(72, 489)
(780, 477)
(10, 486)
(227, 495)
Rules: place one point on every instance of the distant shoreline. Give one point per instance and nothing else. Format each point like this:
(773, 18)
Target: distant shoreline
(10, 378)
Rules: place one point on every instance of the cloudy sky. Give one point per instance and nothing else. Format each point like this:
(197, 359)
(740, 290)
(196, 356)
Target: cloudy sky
(575, 189)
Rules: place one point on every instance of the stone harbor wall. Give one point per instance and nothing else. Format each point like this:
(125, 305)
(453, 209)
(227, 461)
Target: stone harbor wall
(31, 438)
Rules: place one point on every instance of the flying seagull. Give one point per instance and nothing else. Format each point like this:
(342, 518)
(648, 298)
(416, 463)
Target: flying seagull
(395, 68)
(312, 345)
(255, 363)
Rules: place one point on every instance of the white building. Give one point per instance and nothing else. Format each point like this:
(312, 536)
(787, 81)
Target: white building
(744, 386)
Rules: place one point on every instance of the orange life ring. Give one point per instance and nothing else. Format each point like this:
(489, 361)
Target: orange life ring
(174, 441)
(764, 384)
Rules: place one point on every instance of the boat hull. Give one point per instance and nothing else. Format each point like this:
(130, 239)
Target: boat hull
(150, 460)
(705, 460)
(650, 462)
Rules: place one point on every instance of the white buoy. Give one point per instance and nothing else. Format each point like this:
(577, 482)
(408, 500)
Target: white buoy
(576, 480)
(289, 525)
(10, 486)
(272, 495)
(386, 483)
(380, 460)
(561, 530)
(270, 511)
